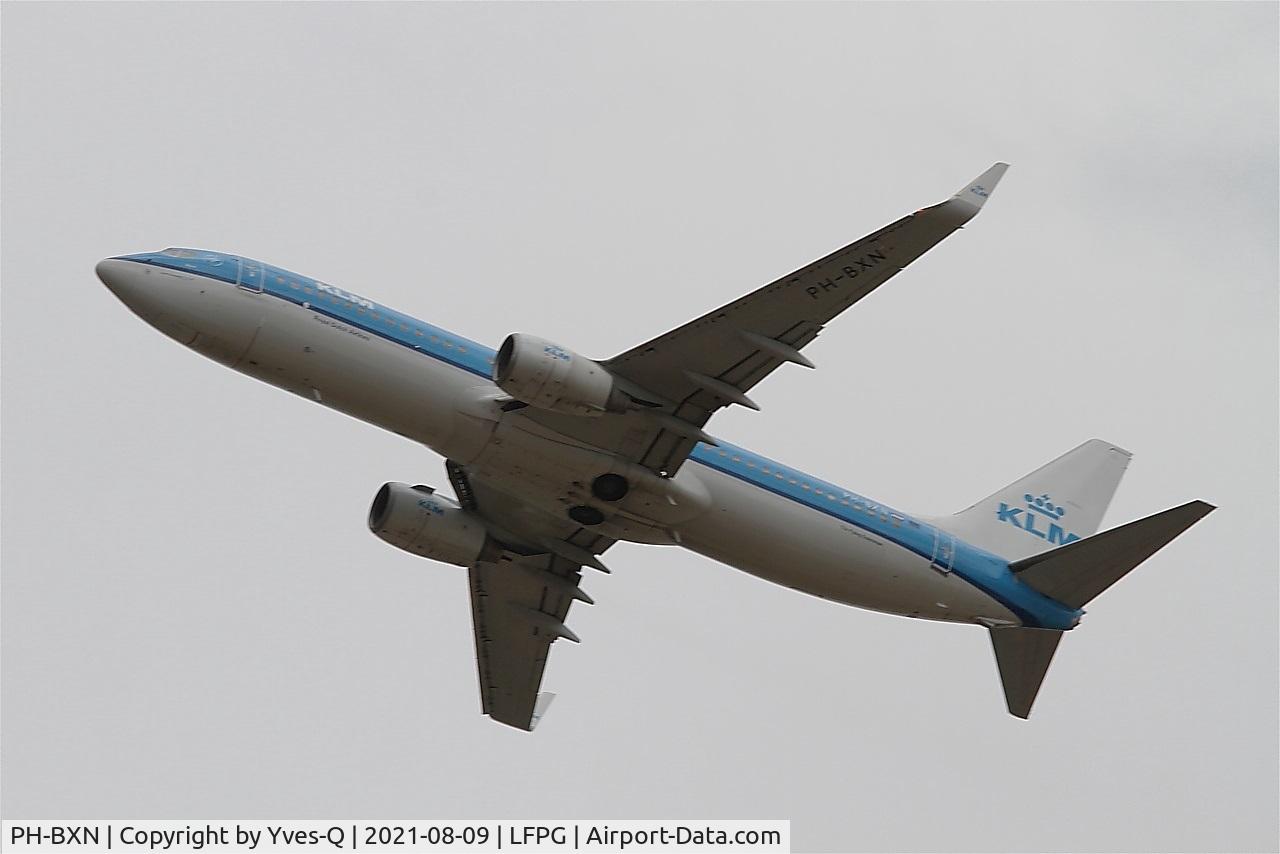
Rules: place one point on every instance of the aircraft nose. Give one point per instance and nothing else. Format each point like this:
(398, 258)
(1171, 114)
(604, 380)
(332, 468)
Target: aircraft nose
(124, 279)
(113, 273)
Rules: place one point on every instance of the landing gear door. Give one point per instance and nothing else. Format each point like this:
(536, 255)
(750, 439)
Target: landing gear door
(944, 551)
(250, 276)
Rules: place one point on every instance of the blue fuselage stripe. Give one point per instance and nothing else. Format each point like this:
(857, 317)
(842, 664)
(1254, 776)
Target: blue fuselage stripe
(980, 569)
(984, 570)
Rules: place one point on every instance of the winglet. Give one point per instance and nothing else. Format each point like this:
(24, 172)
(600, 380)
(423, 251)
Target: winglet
(540, 707)
(977, 191)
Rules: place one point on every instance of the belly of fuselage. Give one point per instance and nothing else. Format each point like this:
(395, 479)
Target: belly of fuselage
(340, 365)
(776, 539)
(348, 369)
(325, 360)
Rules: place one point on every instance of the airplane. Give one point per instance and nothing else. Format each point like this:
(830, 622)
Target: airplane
(553, 457)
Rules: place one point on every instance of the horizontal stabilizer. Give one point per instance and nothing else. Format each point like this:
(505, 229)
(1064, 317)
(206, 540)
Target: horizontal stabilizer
(1075, 573)
(1023, 656)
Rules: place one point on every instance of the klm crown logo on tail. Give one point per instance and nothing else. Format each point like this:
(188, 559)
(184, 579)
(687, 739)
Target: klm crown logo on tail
(1039, 513)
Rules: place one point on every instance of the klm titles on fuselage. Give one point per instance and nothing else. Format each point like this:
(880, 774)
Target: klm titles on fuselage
(849, 271)
(344, 295)
(1038, 510)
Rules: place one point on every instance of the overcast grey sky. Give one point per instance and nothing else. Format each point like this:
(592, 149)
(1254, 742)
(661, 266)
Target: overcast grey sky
(196, 622)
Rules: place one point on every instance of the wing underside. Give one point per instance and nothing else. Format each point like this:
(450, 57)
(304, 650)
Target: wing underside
(520, 600)
(713, 361)
(518, 609)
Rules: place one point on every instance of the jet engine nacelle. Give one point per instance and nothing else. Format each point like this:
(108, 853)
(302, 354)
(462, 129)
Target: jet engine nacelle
(417, 520)
(545, 375)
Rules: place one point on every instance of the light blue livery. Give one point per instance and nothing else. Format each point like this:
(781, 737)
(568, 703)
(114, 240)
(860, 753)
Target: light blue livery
(553, 457)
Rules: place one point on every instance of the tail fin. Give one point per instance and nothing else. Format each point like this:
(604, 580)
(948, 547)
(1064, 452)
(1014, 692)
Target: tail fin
(1056, 504)
(1074, 575)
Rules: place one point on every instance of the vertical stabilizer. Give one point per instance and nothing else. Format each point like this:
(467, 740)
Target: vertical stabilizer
(1023, 656)
(1058, 503)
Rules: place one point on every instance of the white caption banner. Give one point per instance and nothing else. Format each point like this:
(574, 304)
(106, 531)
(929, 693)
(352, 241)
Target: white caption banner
(465, 837)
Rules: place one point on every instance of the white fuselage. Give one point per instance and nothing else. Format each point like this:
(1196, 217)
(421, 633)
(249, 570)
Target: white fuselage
(308, 348)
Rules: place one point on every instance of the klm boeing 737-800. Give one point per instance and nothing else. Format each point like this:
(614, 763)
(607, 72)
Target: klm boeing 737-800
(554, 457)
